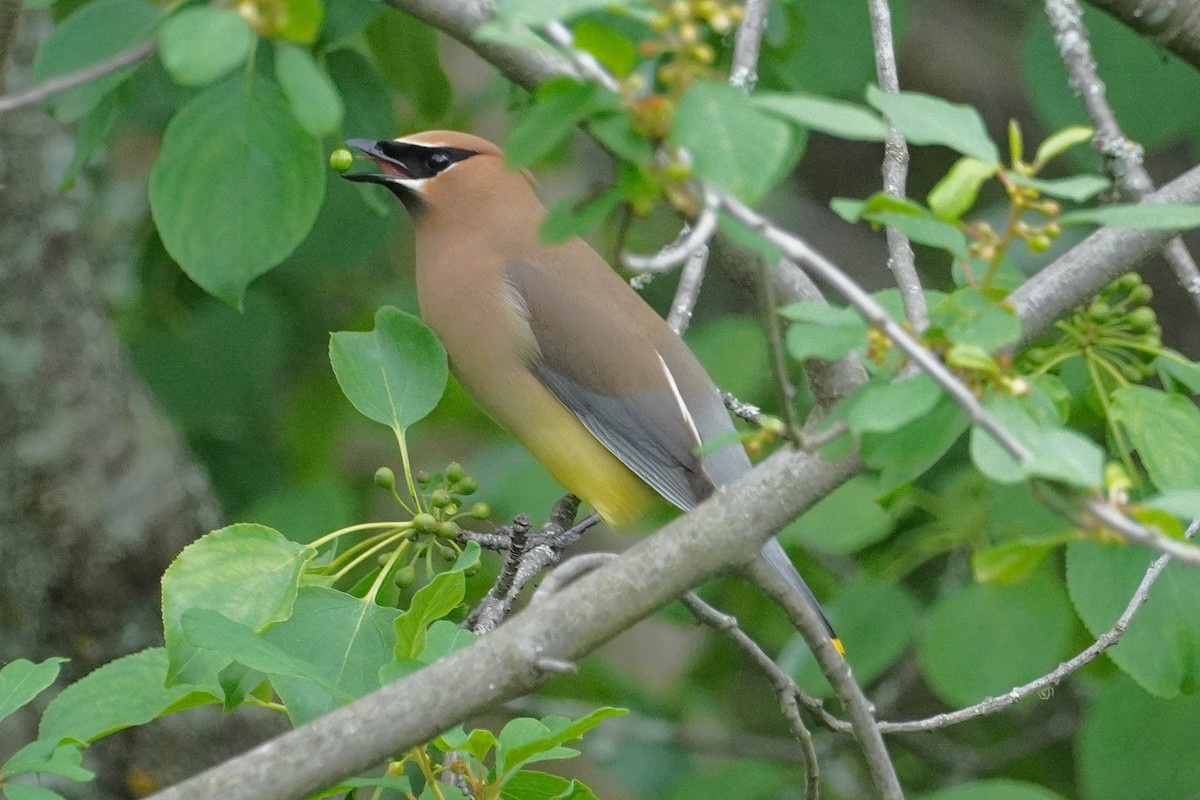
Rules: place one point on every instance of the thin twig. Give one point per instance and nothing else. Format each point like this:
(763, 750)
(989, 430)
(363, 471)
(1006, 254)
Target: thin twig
(687, 291)
(743, 70)
(774, 330)
(54, 86)
(785, 688)
(746, 411)
(584, 61)
(895, 169)
(1122, 157)
(802, 253)
(693, 236)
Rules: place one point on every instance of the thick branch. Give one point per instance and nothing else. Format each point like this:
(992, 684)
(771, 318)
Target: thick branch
(1122, 157)
(61, 84)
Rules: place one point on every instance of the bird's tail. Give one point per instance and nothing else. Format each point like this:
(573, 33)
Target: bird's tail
(774, 554)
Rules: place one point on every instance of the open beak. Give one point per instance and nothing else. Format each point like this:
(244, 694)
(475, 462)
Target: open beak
(393, 171)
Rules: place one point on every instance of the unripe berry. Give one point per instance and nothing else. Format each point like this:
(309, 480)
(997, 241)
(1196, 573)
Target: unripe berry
(455, 471)
(468, 485)
(480, 510)
(1129, 281)
(447, 529)
(341, 159)
(385, 478)
(440, 498)
(1099, 311)
(1140, 295)
(425, 522)
(1142, 319)
(405, 577)
(423, 478)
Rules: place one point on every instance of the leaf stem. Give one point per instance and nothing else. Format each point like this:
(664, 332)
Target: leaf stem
(408, 475)
(362, 526)
(382, 543)
(396, 555)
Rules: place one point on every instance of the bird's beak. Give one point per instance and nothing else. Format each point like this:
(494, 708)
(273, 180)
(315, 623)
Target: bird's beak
(393, 170)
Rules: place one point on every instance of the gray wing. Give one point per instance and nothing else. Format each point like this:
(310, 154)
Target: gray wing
(649, 402)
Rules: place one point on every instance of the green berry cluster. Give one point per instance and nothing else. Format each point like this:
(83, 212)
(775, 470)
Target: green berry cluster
(1117, 334)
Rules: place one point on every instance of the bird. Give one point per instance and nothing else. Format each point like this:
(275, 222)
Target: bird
(554, 345)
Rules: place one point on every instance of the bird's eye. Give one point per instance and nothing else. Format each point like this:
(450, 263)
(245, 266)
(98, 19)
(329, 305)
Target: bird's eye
(437, 162)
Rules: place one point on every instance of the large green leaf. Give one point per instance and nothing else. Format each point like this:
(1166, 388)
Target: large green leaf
(833, 117)
(819, 330)
(309, 90)
(734, 146)
(1136, 747)
(202, 43)
(525, 740)
(1146, 216)
(560, 105)
(395, 374)
(924, 119)
(433, 601)
(249, 573)
(123, 693)
(531, 785)
(92, 34)
(237, 185)
(406, 51)
(984, 640)
(365, 94)
(846, 520)
(22, 680)
(1057, 453)
(1165, 430)
(904, 454)
(1161, 648)
(346, 639)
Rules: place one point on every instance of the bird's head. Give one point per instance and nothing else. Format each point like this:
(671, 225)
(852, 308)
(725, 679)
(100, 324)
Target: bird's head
(428, 169)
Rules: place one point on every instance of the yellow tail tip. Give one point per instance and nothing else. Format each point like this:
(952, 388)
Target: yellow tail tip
(837, 645)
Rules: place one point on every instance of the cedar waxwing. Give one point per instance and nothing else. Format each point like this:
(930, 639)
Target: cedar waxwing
(553, 344)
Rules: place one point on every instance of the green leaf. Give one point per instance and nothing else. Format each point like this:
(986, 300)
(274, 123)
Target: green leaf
(971, 356)
(524, 740)
(22, 680)
(433, 601)
(615, 130)
(346, 18)
(313, 97)
(1132, 746)
(302, 20)
(394, 375)
(883, 407)
(345, 638)
(561, 104)
(1161, 648)
(823, 331)
(914, 221)
(969, 318)
(995, 789)
(1172, 372)
(924, 119)
(249, 573)
(211, 630)
(121, 694)
(202, 43)
(397, 783)
(365, 95)
(1011, 562)
(1165, 430)
(1077, 188)
(444, 638)
(905, 454)
(833, 117)
(875, 620)
(41, 757)
(93, 129)
(1063, 140)
(1057, 453)
(237, 185)
(1183, 503)
(608, 45)
(847, 519)
(734, 146)
(93, 34)
(537, 12)
(955, 194)
(984, 640)
(531, 785)
(406, 51)
(1144, 216)
(568, 219)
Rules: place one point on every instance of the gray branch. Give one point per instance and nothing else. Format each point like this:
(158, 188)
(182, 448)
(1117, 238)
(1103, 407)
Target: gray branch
(743, 71)
(1122, 157)
(47, 89)
(895, 169)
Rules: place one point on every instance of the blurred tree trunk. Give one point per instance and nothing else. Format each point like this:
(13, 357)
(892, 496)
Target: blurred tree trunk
(98, 491)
